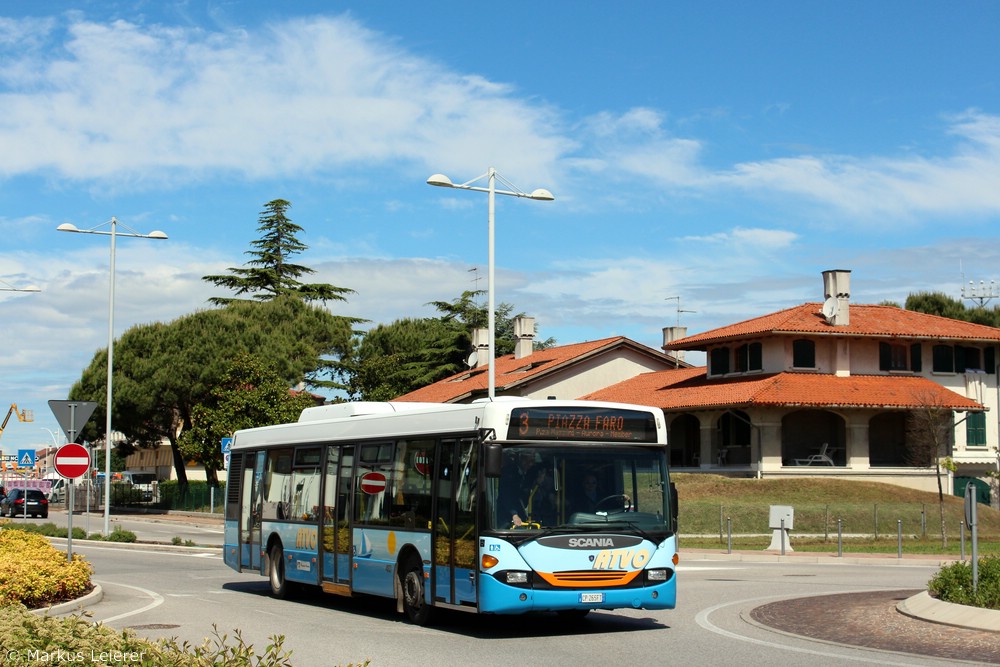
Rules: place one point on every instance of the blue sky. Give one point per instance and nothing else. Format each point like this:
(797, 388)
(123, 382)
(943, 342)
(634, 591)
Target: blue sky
(725, 153)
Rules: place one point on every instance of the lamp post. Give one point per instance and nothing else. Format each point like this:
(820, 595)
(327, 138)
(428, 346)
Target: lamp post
(491, 175)
(113, 233)
(7, 287)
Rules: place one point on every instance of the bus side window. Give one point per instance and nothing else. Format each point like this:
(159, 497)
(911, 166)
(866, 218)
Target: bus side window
(412, 469)
(277, 484)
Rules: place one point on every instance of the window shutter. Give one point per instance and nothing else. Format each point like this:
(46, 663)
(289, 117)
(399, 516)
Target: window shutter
(884, 357)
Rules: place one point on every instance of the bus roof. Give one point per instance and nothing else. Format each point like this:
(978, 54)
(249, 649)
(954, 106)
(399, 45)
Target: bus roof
(366, 420)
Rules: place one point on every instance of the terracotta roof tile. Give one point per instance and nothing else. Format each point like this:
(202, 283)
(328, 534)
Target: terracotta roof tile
(511, 372)
(881, 321)
(689, 389)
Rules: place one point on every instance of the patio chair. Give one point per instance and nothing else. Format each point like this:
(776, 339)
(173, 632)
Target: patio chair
(817, 459)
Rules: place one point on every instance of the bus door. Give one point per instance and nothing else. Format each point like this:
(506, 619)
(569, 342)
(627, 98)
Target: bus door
(250, 509)
(454, 526)
(335, 526)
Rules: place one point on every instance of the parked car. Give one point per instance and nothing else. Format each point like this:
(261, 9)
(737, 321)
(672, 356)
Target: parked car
(13, 504)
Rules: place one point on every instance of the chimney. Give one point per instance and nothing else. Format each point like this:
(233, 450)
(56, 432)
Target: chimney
(524, 334)
(481, 347)
(837, 297)
(670, 334)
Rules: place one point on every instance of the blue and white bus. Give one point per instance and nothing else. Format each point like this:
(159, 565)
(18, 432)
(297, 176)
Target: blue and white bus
(504, 507)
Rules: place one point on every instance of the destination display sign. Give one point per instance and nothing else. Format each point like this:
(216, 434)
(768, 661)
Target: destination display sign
(589, 424)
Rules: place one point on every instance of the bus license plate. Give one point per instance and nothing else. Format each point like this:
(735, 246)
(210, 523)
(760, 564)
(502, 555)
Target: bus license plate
(591, 597)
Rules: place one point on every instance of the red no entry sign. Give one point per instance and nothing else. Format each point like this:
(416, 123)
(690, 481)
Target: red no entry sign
(373, 482)
(72, 461)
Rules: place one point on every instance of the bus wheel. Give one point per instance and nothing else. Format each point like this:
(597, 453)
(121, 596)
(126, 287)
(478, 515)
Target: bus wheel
(412, 584)
(276, 572)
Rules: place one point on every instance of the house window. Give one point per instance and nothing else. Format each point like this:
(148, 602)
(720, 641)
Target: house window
(803, 354)
(899, 357)
(967, 358)
(944, 359)
(748, 357)
(957, 359)
(975, 429)
(990, 360)
(720, 360)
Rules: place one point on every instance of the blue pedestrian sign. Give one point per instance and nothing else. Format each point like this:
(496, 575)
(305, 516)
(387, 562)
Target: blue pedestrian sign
(26, 458)
(227, 445)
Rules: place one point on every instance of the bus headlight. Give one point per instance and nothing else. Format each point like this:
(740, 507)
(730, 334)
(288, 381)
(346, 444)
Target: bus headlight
(659, 574)
(517, 577)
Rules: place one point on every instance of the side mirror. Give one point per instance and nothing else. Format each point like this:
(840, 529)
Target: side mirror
(493, 459)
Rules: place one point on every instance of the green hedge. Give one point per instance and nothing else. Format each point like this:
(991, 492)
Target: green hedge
(953, 583)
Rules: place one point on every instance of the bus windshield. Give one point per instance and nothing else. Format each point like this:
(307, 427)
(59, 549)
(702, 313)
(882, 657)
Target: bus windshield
(590, 488)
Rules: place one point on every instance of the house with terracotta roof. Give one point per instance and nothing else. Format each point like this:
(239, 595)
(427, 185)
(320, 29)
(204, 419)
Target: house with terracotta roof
(830, 388)
(565, 371)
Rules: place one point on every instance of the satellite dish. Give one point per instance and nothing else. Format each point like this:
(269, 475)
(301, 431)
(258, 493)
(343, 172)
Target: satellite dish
(472, 360)
(830, 308)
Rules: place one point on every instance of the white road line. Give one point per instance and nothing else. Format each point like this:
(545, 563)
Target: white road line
(157, 601)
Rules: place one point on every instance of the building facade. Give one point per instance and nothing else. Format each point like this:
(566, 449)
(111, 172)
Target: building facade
(832, 388)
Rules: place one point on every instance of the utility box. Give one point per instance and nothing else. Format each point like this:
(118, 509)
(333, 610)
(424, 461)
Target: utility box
(781, 513)
(781, 519)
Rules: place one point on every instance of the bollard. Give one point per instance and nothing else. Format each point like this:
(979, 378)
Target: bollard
(782, 537)
(899, 538)
(729, 534)
(840, 538)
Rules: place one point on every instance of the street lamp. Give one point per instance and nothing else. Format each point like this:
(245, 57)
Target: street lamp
(114, 233)
(7, 287)
(541, 194)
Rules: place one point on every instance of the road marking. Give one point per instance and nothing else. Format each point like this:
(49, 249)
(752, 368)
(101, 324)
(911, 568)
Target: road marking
(157, 601)
(702, 620)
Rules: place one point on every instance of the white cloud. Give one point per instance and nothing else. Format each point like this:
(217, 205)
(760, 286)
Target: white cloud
(300, 96)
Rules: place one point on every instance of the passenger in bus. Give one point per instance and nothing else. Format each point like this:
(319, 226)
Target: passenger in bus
(588, 497)
(515, 485)
(541, 503)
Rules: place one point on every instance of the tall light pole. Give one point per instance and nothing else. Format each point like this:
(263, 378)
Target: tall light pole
(113, 233)
(491, 175)
(7, 287)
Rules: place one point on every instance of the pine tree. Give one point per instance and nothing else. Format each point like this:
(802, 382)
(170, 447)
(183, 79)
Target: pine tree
(270, 273)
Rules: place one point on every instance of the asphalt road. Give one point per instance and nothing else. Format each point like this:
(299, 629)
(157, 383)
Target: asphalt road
(198, 529)
(181, 593)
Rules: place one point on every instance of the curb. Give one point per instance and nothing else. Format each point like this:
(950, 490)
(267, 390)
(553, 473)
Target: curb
(151, 546)
(79, 604)
(820, 558)
(926, 608)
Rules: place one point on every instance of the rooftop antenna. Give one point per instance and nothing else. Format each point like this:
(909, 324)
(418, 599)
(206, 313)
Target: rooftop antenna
(981, 293)
(475, 279)
(679, 309)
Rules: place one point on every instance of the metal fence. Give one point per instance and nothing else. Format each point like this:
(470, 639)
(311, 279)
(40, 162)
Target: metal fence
(876, 520)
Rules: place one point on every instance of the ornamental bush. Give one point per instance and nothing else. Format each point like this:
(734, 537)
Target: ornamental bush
(27, 639)
(34, 573)
(953, 583)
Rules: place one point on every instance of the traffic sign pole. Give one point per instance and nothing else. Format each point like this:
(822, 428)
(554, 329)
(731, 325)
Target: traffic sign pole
(71, 461)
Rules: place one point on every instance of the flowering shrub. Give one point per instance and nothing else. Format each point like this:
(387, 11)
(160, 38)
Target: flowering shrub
(35, 574)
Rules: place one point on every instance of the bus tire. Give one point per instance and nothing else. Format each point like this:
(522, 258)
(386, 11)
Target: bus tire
(411, 581)
(280, 587)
